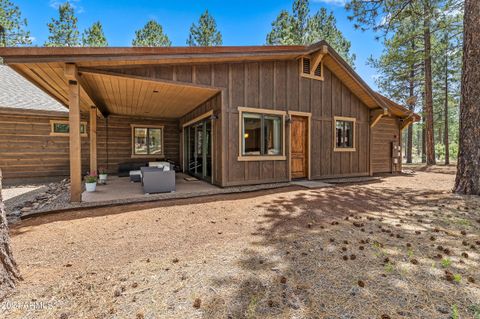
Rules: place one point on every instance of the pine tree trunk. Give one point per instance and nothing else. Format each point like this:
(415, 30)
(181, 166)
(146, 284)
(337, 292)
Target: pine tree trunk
(424, 147)
(468, 166)
(445, 111)
(429, 138)
(9, 274)
(409, 144)
(411, 107)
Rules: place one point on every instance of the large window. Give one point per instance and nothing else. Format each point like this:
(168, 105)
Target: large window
(147, 141)
(261, 135)
(344, 134)
(62, 128)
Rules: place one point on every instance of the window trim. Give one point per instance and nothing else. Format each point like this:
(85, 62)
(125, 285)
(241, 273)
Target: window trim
(53, 133)
(244, 158)
(161, 127)
(349, 119)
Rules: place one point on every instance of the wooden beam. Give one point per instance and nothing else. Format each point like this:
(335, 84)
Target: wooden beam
(317, 58)
(71, 71)
(93, 139)
(406, 122)
(100, 106)
(376, 115)
(75, 142)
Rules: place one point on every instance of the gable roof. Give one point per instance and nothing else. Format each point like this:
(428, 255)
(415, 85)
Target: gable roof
(21, 58)
(18, 93)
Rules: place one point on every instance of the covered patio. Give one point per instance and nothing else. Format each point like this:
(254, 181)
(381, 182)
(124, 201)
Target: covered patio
(113, 106)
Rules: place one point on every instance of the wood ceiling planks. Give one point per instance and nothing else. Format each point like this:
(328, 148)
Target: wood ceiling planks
(133, 97)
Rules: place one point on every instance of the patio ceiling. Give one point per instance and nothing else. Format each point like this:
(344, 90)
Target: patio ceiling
(125, 95)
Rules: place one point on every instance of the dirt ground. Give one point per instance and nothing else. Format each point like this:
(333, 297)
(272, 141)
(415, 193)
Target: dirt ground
(402, 247)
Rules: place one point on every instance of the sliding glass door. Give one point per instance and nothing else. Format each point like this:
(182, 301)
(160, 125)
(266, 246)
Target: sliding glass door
(198, 149)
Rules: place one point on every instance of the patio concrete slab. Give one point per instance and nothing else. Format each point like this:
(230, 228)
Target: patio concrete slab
(120, 188)
(311, 184)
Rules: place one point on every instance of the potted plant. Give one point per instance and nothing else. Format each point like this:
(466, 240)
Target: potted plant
(102, 175)
(91, 182)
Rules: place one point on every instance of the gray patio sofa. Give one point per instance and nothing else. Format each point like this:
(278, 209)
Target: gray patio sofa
(156, 180)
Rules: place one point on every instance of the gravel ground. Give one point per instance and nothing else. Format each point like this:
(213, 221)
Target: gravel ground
(402, 247)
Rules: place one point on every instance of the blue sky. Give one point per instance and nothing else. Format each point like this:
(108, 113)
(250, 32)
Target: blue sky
(241, 22)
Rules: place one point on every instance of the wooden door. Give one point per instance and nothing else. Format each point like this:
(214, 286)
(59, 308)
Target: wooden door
(299, 147)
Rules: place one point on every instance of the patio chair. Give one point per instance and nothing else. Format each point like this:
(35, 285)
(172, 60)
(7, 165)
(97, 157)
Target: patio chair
(156, 180)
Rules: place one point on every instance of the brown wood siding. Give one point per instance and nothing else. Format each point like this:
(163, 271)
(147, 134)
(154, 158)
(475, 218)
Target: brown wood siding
(27, 150)
(276, 85)
(386, 131)
(120, 141)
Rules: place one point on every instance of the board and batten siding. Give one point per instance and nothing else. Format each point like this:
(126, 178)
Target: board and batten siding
(276, 85)
(386, 131)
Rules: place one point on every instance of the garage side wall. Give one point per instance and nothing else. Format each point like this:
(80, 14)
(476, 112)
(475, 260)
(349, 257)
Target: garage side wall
(384, 133)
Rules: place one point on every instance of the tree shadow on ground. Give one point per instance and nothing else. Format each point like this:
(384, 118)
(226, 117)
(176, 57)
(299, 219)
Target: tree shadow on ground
(26, 224)
(356, 252)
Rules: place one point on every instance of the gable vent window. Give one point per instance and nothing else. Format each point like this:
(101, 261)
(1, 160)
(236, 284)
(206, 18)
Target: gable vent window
(318, 70)
(306, 65)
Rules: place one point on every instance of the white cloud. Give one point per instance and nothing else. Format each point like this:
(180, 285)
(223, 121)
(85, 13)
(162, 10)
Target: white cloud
(78, 9)
(340, 3)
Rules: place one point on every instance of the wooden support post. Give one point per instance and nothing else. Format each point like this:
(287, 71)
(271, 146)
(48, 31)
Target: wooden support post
(93, 139)
(74, 133)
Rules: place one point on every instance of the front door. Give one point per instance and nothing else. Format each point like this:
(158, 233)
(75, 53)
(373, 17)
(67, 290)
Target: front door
(299, 146)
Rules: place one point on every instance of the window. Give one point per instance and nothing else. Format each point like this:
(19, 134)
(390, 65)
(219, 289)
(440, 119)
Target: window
(262, 135)
(344, 134)
(147, 141)
(62, 128)
(306, 69)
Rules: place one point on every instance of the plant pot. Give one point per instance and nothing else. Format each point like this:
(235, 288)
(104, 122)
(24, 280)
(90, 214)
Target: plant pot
(91, 187)
(102, 178)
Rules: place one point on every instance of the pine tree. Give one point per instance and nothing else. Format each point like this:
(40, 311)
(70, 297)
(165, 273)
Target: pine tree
(301, 28)
(12, 26)
(468, 166)
(94, 36)
(400, 69)
(385, 17)
(151, 35)
(281, 33)
(63, 31)
(204, 34)
(323, 26)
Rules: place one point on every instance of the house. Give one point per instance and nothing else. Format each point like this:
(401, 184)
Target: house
(228, 115)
